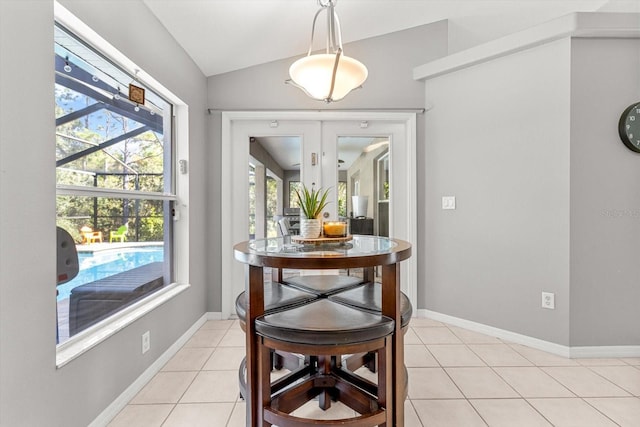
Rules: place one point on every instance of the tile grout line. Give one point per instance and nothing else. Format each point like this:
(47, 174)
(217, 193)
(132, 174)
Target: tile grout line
(467, 346)
(492, 367)
(195, 376)
(609, 380)
(599, 411)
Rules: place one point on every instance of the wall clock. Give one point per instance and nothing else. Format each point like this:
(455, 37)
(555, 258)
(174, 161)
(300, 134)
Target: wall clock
(629, 127)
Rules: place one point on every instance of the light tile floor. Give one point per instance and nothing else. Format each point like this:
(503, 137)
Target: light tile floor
(457, 377)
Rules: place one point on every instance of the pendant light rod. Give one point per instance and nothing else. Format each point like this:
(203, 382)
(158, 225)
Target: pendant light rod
(333, 75)
(334, 33)
(333, 26)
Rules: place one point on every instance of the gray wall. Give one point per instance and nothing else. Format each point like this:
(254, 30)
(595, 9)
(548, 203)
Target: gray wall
(390, 60)
(257, 151)
(547, 195)
(605, 194)
(390, 85)
(32, 391)
(497, 138)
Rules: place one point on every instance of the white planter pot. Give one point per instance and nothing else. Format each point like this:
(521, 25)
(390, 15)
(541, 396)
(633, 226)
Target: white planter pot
(310, 228)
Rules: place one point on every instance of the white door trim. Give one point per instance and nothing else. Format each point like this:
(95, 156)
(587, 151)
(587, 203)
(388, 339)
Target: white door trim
(234, 158)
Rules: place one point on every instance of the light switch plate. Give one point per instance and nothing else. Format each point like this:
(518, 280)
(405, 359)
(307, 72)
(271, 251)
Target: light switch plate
(448, 202)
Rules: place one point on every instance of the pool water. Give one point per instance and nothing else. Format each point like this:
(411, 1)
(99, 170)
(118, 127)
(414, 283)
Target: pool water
(98, 265)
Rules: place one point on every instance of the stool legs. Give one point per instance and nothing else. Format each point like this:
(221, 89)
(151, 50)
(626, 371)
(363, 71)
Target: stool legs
(391, 307)
(264, 372)
(385, 382)
(256, 304)
(324, 368)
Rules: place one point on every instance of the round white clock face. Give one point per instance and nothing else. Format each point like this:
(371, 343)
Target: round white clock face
(629, 127)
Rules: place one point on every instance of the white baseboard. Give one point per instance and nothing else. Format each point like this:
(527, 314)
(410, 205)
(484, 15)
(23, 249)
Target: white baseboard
(549, 347)
(605, 351)
(213, 315)
(121, 401)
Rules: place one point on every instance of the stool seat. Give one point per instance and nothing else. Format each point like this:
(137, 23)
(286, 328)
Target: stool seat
(276, 297)
(325, 284)
(323, 322)
(369, 298)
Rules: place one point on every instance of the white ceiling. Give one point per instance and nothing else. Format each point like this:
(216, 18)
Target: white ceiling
(286, 150)
(227, 35)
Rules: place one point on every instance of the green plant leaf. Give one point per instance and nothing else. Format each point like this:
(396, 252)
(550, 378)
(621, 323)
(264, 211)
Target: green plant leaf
(312, 202)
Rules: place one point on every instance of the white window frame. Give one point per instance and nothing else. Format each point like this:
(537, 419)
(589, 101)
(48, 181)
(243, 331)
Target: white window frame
(92, 336)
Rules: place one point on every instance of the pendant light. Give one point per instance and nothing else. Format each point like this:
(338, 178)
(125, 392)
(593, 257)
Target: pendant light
(332, 75)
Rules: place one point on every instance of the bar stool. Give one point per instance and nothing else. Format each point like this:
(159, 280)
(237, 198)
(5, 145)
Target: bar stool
(276, 297)
(324, 327)
(368, 298)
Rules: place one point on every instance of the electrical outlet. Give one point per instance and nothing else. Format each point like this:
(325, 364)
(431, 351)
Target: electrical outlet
(146, 342)
(549, 300)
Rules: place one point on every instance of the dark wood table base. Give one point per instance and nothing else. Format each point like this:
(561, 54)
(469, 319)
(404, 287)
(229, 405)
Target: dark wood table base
(381, 405)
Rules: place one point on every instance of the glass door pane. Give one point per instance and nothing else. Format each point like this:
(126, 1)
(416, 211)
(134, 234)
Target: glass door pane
(279, 160)
(358, 169)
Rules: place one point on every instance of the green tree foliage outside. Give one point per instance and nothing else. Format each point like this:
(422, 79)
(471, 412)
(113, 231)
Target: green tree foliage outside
(271, 204)
(135, 164)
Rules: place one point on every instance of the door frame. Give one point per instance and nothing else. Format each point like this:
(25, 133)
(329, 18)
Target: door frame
(234, 158)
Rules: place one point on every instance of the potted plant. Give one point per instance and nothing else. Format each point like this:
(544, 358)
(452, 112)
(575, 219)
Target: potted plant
(311, 203)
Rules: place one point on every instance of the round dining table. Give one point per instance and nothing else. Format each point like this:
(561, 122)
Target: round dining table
(367, 252)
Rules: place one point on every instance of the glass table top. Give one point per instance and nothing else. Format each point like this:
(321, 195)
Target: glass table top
(358, 246)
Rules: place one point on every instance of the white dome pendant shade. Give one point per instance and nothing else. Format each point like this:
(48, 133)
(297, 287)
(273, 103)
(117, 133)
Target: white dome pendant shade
(328, 76)
(314, 75)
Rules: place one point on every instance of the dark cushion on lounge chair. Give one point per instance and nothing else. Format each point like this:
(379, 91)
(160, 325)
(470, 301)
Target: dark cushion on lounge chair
(276, 297)
(95, 301)
(324, 322)
(325, 284)
(369, 298)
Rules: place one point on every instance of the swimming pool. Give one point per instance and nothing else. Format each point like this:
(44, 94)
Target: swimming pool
(98, 265)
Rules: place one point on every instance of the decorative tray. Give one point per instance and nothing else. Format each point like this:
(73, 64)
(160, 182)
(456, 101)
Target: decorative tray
(321, 240)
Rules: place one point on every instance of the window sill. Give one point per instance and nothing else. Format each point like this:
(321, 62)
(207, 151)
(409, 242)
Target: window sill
(90, 337)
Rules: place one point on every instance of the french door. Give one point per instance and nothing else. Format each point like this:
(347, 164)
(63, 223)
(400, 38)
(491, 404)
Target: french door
(333, 148)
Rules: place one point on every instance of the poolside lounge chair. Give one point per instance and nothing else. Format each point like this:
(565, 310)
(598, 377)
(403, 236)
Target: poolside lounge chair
(91, 236)
(120, 234)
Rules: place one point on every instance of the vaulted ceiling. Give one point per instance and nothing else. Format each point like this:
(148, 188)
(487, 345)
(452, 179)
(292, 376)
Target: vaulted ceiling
(227, 35)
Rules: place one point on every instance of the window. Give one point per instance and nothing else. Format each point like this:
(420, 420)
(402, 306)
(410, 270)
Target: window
(293, 197)
(383, 177)
(342, 199)
(115, 185)
(272, 206)
(266, 197)
(252, 201)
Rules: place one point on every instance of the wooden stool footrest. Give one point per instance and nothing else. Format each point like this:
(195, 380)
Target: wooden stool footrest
(358, 381)
(356, 398)
(300, 371)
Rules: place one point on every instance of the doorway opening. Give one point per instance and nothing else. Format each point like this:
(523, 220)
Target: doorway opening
(389, 152)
